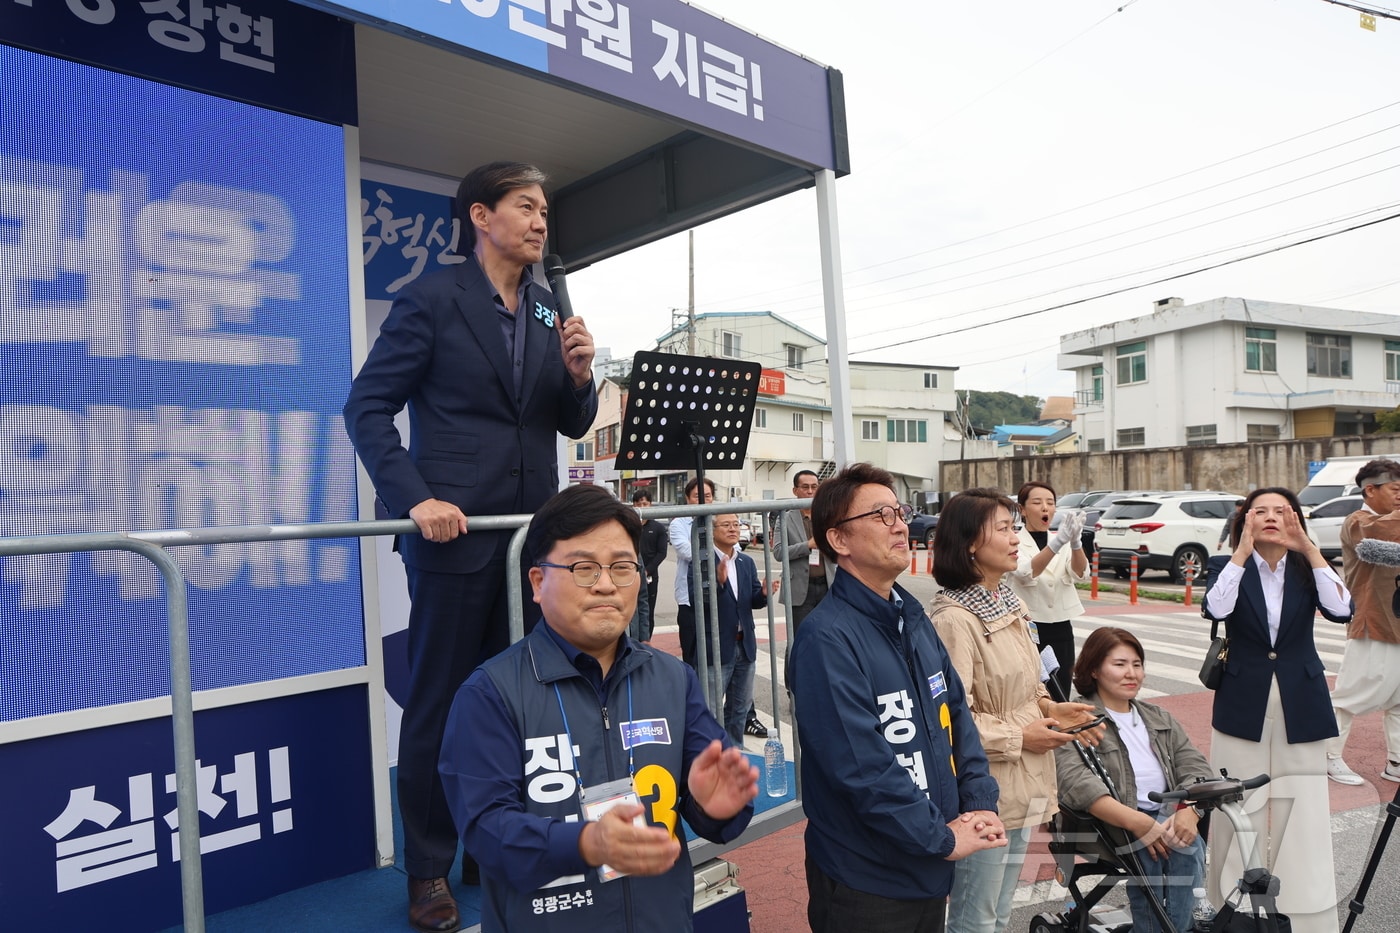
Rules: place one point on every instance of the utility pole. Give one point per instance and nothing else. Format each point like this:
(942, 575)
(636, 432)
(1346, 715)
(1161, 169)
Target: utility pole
(690, 311)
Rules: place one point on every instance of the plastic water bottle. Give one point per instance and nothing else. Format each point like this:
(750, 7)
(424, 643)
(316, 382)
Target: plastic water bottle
(775, 767)
(1202, 912)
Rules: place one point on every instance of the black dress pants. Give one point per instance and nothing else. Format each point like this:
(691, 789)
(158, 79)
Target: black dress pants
(455, 622)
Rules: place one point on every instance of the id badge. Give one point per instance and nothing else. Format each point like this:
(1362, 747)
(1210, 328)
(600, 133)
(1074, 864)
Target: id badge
(599, 799)
(1035, 632)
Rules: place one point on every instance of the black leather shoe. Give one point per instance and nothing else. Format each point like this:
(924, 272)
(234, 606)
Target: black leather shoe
(431, 906)
(756, 728)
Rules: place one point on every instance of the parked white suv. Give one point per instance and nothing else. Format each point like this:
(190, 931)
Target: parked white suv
(1325, 523)
(1167, 531)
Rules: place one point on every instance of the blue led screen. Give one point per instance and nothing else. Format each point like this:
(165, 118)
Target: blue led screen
(174, 353)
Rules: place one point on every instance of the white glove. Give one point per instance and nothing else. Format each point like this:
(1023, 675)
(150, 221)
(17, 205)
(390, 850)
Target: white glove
(1076, 521)
(1063, 536)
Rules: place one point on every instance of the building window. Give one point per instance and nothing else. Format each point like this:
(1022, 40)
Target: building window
(1392, 360)
(1096, 445)
(906, 431)
(583, 450)
(1096, 382)
(606, 438)
(730, 344)
(1262, 432)
(1329, 356)
(930, 380)
(869, 430)
(760, 417)
(799, 425)
(794, 356)
(1200, 435)
(1260, 350)
(1132, 437)
(1132, 363)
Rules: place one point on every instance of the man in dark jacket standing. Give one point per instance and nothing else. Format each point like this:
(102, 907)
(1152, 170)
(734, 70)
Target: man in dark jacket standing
(654, 545)
(894, 780)
(553, 746)
(491, 376)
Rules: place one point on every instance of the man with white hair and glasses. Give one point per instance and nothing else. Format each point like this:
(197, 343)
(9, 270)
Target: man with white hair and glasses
(1369, 678)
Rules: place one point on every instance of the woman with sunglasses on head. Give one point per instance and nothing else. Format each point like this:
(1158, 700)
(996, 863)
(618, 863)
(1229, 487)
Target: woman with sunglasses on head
(987, 633)
(1272, 712)
(1048, 565)
(1144, 749)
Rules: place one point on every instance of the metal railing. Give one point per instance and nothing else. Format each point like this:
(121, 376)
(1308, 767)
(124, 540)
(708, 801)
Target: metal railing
(153, 546)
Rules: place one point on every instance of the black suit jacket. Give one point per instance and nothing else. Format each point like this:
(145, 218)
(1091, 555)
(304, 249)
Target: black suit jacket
(1243, 694)
(735, 615)
(472, 442)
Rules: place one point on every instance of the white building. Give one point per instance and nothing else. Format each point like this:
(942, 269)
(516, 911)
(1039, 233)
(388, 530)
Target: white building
(1230, 370)
(902, 414)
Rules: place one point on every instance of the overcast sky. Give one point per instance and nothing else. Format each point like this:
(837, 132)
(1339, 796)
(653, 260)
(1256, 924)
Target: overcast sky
(1009, 157)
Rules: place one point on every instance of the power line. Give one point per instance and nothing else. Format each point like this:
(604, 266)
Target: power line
(1128, 288)
(1166, 201)
(1176, 262)
(1133, 245)
(757, 297)
(1370, 11)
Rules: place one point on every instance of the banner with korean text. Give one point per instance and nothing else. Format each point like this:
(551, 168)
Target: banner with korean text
(664, 55)
(174, 352)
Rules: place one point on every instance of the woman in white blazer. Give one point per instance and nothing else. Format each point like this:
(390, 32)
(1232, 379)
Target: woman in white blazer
(1048, 565)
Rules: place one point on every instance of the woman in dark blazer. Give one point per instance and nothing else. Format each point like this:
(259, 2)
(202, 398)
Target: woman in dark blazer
(1272, 711)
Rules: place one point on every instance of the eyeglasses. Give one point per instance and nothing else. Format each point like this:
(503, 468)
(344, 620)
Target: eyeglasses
(588, 572)
(726, 524)
(887, 514)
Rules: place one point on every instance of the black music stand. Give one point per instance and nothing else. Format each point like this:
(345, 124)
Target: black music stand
(688, 412)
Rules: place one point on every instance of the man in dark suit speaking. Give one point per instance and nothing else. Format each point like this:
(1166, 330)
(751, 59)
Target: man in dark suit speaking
(491, 375)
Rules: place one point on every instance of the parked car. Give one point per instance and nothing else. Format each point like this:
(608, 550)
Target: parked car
(1336, 478)
(745, 534)
(1104, 498)
(1325, 523)
(921, 529)
(1166, 531)
(1091, 518)
(1076, 499)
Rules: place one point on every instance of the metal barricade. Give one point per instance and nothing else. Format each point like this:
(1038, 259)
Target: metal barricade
(153, 544)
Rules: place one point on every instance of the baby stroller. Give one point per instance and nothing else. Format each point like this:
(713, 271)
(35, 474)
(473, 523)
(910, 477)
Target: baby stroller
(1106, 855)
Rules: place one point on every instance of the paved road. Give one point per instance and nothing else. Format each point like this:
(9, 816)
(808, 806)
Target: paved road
(1174, 639)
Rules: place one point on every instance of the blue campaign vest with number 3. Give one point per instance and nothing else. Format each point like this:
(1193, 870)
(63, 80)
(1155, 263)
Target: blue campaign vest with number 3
(646, 716)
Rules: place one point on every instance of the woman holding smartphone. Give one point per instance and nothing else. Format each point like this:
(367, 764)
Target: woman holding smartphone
(1145, 749)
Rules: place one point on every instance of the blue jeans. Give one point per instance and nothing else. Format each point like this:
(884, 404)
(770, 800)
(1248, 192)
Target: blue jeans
(984, 884)
(1171, 880)
(738, 695)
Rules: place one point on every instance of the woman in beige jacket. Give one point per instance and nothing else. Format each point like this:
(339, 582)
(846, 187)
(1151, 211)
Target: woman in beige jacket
(987, 633)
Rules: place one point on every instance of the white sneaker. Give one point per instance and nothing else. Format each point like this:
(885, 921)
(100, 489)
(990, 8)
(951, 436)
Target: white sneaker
(1391, 772)
(1338, 771)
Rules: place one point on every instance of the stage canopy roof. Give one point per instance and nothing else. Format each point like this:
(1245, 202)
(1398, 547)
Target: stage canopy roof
(650, 117)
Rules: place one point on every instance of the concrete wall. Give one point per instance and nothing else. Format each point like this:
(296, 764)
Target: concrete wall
(1234, 468)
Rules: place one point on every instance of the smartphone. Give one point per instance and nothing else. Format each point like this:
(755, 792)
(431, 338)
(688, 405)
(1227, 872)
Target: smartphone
(1075, 730)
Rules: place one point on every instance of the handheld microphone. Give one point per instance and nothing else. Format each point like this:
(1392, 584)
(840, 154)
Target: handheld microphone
(554, 272)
